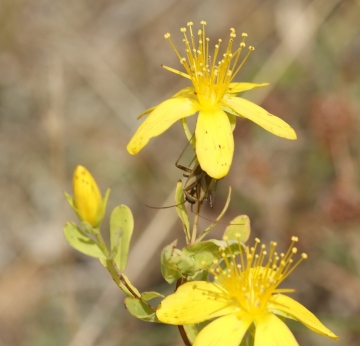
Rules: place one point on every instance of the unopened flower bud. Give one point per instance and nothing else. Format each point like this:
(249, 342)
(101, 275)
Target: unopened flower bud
(87, 202)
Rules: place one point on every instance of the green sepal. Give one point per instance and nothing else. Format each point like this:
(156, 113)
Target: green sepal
(101, 210)
(88, 229)
(121, 229)
(192, 330)
(82, 242)
(250, 336)
(181, 209)
(175, 264)
(140, 310)
(232, 117)
(70, 200)
(206, 252)
(190, 136)
(238, 229)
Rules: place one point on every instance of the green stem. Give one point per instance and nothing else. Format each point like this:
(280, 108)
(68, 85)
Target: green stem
(184, 336)
(189, 135)
(180, 327)
(101, 243)
(113, 270)
(196, 221)
(109, 264)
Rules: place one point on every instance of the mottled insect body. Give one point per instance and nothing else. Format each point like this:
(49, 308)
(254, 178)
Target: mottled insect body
(199, 186)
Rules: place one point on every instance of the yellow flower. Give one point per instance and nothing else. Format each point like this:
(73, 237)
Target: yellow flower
(87, 203)
(214, 96)
(245, 293)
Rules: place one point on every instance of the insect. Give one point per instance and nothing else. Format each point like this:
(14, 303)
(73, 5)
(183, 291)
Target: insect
(199, 186)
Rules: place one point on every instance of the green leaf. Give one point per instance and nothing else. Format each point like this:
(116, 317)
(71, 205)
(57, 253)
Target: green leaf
(175, 264)
(121, 229)
(147, 296)
(140, 310)
(239, 229)
(206, 252)
(128, 288)
(82, 242)
(181, 209)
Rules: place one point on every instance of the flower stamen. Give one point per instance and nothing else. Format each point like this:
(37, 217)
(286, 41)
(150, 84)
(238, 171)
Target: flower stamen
(252, 276)
(210, 79)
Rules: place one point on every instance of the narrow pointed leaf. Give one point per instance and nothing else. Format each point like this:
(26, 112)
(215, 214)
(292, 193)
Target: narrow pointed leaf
(181, 209)
(209, 228)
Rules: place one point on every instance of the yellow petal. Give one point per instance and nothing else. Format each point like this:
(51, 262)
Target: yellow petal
(260, 116)
(236, 88)
(228, 330)
(146, 112)
(194, 302)
(160, 119)
(287, 305)
(188, 92)
(271, 331)
(214, 142)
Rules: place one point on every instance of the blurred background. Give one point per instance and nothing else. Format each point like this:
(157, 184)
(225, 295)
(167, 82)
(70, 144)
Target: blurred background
(74, 75)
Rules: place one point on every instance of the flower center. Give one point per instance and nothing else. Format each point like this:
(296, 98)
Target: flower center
(209, 77)
(250, 278)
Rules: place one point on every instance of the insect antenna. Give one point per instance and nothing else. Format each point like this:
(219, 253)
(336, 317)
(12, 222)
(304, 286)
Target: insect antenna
(166, 206)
